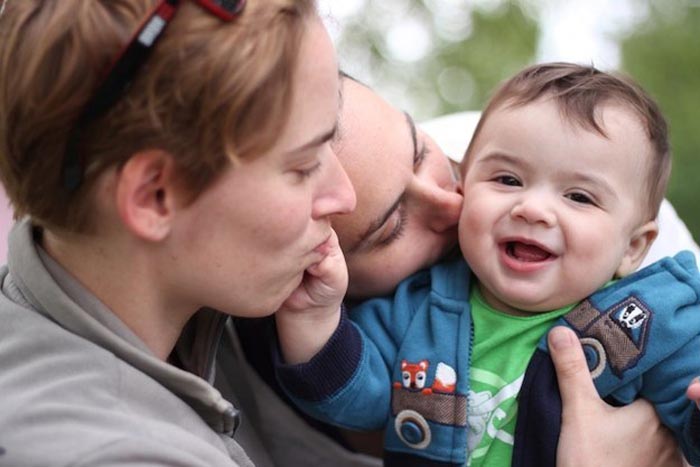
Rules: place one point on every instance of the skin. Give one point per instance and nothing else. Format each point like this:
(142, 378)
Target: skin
(632, 425)
(408, 195)
(264, 244)
(257, 228)
(377, 150)
(551, 216)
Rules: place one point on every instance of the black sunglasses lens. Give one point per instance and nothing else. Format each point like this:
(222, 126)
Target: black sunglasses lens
(231, 6)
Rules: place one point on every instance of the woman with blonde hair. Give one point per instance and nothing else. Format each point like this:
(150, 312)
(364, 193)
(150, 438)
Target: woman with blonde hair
(167, 158)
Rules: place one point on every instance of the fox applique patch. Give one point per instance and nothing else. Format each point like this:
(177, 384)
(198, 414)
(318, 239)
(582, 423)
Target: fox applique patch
(414, 404)
(413, 376)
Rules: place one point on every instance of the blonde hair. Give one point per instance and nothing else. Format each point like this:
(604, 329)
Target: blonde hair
(212, 92)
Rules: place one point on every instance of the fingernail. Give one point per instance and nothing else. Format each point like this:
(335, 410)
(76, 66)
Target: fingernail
(560, 338)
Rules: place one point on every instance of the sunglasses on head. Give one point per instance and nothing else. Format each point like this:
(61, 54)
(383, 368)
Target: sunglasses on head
(125, 68)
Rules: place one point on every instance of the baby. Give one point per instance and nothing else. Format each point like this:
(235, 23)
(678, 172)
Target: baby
(562, 183)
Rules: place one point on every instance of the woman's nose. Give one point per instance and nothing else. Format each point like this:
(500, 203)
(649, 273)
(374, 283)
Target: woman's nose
(438, 206)
(534, 209)
(336, 194)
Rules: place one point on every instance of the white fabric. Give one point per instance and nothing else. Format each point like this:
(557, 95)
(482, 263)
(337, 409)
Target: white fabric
(452, 133)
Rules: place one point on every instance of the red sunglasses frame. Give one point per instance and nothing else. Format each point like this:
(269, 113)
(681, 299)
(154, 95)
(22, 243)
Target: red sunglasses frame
(123, 71)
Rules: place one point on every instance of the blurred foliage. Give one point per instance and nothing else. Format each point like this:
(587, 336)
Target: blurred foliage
(663, 55)
(498, 37)
(457, 74)
(501, 43)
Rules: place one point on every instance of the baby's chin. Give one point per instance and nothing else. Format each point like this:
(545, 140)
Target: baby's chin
(520, 307)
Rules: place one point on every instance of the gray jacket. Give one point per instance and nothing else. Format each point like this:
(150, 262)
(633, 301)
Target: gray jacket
(271, 432)
(78, 388)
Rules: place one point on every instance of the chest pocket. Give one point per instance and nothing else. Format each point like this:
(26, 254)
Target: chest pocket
(416, 410)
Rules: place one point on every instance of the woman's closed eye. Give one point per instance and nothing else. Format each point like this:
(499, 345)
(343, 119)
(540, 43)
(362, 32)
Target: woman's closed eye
(306, 172)
(393, 233)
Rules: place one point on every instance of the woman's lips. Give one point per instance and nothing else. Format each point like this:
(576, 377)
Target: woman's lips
(323, 247)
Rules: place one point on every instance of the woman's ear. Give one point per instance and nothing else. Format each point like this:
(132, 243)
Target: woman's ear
(637, 249)
(146, 194)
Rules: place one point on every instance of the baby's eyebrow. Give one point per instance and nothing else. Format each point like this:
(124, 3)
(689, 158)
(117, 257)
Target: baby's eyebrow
(500, 157)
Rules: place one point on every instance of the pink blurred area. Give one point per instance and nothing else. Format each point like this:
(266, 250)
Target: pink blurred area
(5, 224)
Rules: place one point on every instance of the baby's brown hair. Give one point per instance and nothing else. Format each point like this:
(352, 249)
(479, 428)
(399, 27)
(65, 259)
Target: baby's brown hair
(579, 90)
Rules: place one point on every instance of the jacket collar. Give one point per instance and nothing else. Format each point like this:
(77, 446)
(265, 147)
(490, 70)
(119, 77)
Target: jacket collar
(40, 282)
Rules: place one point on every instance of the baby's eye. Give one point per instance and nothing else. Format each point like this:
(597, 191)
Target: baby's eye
(508, 180)
(580, 198)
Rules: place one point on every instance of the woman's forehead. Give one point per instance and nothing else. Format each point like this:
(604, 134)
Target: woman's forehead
(376, 149)
(371, 131)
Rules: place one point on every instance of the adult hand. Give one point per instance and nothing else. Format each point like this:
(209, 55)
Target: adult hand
(310, 315)
(595, 433)
(693, 392)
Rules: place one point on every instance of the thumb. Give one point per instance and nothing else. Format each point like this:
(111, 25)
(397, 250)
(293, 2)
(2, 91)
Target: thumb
(575, 382)
(693, 391)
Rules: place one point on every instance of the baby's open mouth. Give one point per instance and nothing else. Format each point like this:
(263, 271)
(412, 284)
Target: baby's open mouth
(526, 252)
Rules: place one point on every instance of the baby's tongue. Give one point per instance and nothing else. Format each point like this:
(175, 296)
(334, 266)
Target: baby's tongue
(529, 253)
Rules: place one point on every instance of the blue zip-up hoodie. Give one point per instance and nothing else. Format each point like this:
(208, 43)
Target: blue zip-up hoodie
(641, 337)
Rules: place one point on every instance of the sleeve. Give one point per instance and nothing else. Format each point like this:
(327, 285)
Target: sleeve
(348, 383)
(691, 435)
(641, 337)
(665, 385)
(655, 334)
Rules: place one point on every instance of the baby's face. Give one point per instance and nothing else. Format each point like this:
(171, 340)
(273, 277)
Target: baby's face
(552, 211)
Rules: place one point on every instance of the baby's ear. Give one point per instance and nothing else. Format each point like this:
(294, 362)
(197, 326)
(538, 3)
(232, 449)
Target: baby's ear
(637, 249)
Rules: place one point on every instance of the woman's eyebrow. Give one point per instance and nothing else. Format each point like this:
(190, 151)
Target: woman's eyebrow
(317, 140)
(375, 225)
(414, 137)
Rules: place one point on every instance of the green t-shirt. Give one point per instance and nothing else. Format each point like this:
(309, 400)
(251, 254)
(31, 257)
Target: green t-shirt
(501, 350)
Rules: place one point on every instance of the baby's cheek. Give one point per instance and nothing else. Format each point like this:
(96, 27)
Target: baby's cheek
(471, 222)
(598, 251)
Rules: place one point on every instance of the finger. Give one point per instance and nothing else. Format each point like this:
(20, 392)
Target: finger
(333, 253)
(575, 383)
(693, 391)
(331, 246)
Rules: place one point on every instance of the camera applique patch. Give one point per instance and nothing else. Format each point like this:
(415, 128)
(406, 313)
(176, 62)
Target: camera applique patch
(615, 337)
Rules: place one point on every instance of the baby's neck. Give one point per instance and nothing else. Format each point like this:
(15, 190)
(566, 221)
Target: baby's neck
(497, 304)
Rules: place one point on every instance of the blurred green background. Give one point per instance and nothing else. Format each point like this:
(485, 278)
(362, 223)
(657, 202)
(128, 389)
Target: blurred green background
(433, 57)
